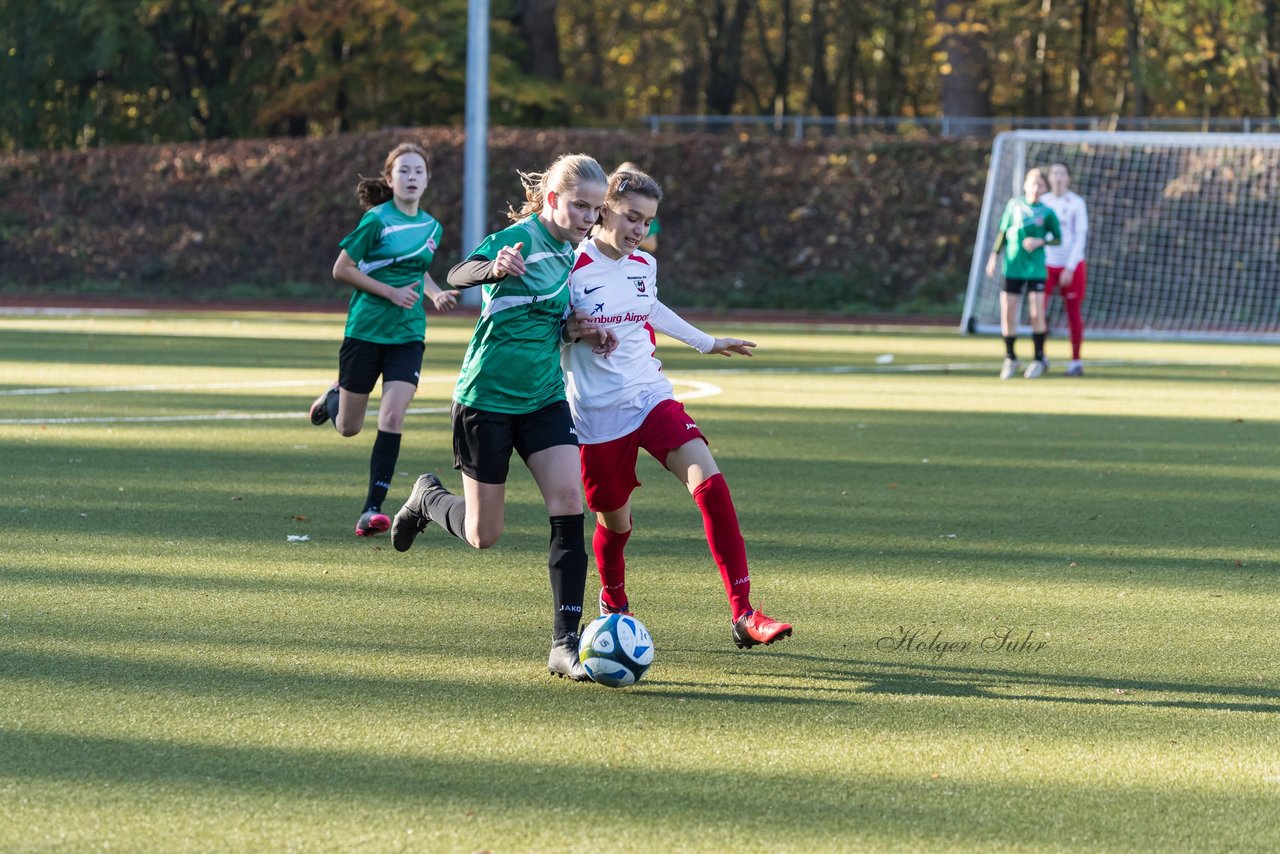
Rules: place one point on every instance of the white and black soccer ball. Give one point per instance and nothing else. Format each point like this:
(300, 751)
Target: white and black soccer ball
(616, 650)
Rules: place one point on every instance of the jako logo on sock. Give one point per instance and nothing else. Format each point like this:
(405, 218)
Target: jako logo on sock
(577, 609)
(746, 579)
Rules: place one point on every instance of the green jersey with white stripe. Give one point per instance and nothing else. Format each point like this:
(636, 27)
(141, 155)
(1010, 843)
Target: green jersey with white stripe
(513, 363)
(393, 249)
(1024, 219)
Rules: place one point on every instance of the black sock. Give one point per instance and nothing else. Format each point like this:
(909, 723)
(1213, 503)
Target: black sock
(1008, 346)
(567, 564)
(1038, 338)
(449, 511)
(382, 467)
(331, 406)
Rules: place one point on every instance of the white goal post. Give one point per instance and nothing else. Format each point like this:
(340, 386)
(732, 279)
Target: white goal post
(1184, 231)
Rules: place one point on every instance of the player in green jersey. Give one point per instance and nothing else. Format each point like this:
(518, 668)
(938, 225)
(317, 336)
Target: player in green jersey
(510, 394)
(1026, 227)
(385, 261)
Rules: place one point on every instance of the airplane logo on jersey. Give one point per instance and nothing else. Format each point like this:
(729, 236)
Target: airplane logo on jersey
(599, 309)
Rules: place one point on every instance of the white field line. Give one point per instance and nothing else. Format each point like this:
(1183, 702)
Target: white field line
(217, 416)
(698, 389)
(950, 367)
(95, 389)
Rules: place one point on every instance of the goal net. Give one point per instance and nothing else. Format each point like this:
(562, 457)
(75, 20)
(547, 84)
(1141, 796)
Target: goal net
(1184, 231)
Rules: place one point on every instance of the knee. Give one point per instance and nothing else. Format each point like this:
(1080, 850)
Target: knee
(483, 539)
(568, 503)
(347, 430)
(392, 422)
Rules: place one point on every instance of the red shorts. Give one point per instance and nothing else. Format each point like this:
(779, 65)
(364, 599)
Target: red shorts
(1075, 290)
(609, 468)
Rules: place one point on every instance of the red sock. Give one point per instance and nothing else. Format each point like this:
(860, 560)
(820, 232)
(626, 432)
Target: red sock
(725, 539)
(1075, 322)
(612, 564)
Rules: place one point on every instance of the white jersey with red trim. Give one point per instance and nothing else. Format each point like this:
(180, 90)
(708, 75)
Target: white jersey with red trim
(610, 397)
(1073, 216)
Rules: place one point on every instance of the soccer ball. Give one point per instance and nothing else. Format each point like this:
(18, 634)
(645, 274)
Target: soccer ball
(616, 650)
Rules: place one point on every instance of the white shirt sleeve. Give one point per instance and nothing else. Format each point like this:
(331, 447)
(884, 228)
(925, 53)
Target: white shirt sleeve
(668, 322)
(1081, 236)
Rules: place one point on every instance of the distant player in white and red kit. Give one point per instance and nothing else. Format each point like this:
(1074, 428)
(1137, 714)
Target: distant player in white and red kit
(1064, 263)
(622, 402)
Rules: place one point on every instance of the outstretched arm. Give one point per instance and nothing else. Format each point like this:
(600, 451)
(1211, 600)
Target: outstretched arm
(668, 322)
(729, 346)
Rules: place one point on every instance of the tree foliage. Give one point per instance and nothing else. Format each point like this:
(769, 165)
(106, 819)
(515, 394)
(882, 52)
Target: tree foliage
(90, 72)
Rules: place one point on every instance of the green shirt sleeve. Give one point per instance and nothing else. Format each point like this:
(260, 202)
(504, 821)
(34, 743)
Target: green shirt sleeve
(507, 237)
(366, 235)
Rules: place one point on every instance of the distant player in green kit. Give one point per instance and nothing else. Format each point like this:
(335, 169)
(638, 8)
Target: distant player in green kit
(1026, 227)
(385, 261)
(510, 394)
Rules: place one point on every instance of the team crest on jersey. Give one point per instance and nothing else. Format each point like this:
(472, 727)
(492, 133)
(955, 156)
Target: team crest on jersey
(431, 244)
(638, 281)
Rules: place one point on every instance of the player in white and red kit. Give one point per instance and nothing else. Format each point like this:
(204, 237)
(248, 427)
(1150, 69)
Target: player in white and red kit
(1064, 263)
(622, 402)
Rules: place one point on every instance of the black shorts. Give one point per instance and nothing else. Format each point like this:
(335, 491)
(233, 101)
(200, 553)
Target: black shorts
(483, 440)
(360, 363)
(1022, 286)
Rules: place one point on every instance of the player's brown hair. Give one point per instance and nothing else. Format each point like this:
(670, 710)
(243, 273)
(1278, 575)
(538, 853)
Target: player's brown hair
(628, 178)
(1040, 177)
(375, 191)
(566, 172)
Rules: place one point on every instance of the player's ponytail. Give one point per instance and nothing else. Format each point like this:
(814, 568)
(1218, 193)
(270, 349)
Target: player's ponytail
(567, 172)
(373, 192)
(376, 191)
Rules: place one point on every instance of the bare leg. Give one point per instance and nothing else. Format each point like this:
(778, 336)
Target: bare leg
(396, 397)
(486, 511)
(1035, 307)
(558, 473)
(351, 409)
(1010, 308)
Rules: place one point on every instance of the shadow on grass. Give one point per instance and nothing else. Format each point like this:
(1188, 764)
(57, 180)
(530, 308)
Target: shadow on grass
(203, 351)
(154, 582)
(937, 680)
(838, 803)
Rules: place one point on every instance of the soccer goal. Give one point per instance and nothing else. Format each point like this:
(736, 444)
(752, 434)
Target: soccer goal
(1184, 231)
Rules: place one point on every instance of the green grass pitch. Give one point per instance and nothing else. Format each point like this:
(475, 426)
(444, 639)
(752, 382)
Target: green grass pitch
(1030, 615)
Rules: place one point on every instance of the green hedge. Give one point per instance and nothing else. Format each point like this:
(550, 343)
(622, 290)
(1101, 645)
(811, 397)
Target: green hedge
(842, 226)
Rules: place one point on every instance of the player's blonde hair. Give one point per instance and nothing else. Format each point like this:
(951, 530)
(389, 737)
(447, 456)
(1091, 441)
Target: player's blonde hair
(375, 191)
(567, 172)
